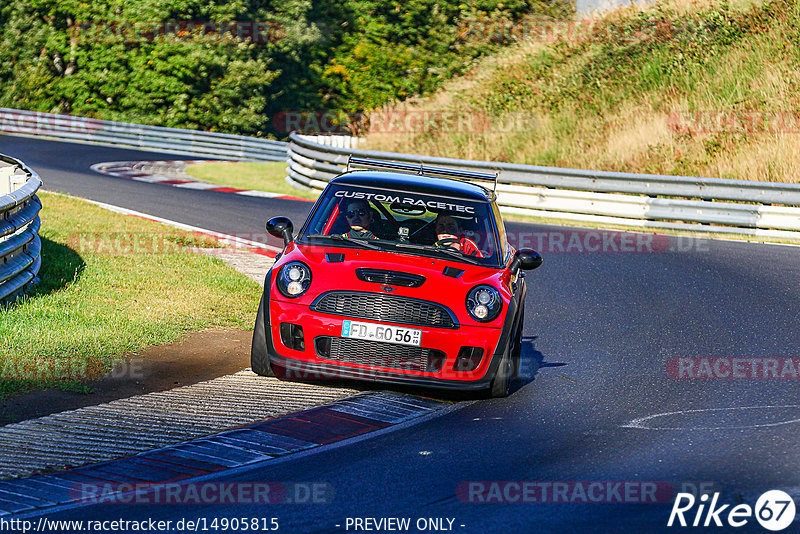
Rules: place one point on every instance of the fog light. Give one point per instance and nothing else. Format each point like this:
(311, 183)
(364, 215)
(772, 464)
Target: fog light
(294, 288)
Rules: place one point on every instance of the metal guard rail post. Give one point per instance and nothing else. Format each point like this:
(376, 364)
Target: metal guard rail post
(20, 246)
(128, 135)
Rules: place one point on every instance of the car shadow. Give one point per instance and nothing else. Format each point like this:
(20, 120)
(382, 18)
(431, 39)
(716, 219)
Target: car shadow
(531, 360)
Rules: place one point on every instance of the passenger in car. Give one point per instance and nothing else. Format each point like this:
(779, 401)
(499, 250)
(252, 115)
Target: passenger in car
(449, 234)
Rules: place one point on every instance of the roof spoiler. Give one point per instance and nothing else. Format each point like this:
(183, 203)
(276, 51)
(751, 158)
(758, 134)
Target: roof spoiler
(420, 170)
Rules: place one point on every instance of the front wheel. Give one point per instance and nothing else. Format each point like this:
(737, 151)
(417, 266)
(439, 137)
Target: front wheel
(259, 358)
(509, 365)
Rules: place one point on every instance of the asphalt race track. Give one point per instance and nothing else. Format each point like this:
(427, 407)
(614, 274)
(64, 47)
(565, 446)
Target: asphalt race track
(64, 167)
(608, 337)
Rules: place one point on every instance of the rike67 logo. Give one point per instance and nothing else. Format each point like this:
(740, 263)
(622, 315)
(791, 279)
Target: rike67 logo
(774, 510)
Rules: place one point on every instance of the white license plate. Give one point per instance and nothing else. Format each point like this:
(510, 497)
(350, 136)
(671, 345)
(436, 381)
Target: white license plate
(382, 332)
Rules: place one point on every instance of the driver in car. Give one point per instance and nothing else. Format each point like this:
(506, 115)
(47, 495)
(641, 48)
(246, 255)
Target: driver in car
(359, 217)
(449, 234)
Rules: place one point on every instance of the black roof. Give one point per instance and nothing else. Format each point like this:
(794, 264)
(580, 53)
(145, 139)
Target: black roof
(403, 181)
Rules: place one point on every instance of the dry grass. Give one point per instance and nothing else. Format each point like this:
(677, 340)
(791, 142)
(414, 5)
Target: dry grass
(775, 159)
(628, 105)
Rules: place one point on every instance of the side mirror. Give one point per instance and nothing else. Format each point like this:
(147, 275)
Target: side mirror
(526, 259)
(281, 227)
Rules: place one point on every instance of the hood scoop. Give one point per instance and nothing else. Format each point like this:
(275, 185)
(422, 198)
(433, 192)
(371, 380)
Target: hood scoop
(390, 278)
(334, 257)
(452, 272)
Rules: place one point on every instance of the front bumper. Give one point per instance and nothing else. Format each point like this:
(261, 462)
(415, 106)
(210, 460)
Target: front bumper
(307, 364)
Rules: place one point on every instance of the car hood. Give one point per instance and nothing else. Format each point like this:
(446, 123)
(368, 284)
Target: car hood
(446, 282)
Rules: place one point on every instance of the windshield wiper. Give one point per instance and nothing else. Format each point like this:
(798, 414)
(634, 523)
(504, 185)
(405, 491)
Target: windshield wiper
(449, 251)
(337, 237)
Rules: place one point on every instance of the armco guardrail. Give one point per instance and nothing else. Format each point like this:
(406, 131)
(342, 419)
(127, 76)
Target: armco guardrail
(637, 200)
(152, 138)
(20, 247)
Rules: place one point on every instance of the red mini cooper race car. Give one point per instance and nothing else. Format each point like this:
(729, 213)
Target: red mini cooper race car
(403, 275)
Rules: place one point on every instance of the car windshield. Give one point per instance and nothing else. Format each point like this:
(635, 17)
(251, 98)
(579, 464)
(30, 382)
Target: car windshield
(405, 221)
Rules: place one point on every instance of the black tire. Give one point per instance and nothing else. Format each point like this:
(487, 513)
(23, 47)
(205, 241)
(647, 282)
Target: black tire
(259, 357)
(516, 351)
(501, 383)
(509, 365)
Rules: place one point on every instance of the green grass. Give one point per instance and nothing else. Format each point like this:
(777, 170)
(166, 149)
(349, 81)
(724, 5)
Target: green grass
(112, 285)
(266, 176)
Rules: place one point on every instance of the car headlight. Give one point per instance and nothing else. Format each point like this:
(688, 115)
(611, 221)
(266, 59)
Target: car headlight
(484, 303)
(293, 279)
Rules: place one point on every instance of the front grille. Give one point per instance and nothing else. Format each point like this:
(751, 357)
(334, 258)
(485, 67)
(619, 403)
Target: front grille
(379, 354)
(390, 278)
(378, 307)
